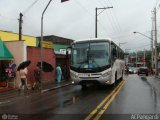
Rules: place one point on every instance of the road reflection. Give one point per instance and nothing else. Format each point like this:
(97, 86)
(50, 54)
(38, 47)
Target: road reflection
(153, 92)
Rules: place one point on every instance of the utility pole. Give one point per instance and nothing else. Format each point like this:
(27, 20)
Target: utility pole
(96, 24)
(20, 26)
(96, 14)
(155, 40)
(152, 39)
(156, 62)
(152, 50)
(144, 58)
(41, 53)
(136, 59)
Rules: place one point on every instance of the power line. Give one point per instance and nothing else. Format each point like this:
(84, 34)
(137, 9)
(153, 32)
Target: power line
(112, 17)
(112, 24)
(29, 7)
(102, 24)
(84, 8)
(157, 3)
(141, 46)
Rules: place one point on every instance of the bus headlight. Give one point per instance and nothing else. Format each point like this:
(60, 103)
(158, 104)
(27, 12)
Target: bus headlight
(106, 74)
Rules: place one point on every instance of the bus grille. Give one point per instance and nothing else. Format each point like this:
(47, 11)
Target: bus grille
(89, 82)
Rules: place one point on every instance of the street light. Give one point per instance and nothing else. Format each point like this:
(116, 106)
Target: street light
(41, 54)
(156, 63)
(143, 35)
(96, 17)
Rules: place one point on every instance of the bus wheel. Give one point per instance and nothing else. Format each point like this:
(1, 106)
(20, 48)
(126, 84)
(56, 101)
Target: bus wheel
(115, 76)
(122, 75)
(115, 79)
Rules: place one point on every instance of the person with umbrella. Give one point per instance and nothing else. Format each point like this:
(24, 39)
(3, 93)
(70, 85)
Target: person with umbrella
(22, 74)
(37, 76)
(22, 68)
(46, 67)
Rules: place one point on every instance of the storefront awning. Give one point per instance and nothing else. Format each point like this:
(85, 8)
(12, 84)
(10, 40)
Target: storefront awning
(5, 54)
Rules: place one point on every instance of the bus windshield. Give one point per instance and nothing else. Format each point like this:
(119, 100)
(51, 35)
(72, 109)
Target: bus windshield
(90, 55)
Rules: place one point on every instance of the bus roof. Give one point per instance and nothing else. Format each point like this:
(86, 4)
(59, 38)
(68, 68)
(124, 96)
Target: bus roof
(95, 39)
(92, 39)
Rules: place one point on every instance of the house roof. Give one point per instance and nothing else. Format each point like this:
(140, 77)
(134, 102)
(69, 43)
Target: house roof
(57, 40)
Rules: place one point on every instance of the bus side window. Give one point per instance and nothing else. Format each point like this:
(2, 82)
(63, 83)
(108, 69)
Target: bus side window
(114, 52)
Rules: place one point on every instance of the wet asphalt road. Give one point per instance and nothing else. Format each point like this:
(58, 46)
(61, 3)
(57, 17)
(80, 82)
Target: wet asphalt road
(137, 96)
(134, 95)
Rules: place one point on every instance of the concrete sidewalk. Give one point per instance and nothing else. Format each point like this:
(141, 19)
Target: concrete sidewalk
(49, 87)
(10, 95)
(154, 81)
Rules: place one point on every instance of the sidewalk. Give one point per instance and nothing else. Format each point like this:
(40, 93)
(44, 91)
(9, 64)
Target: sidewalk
(13, 94)
(154, 81)
(49, 87)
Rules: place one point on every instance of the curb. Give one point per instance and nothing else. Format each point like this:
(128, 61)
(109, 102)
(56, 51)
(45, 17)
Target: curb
(56, 87)
(43, 91)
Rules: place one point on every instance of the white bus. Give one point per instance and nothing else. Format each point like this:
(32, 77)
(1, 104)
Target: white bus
(96, 61)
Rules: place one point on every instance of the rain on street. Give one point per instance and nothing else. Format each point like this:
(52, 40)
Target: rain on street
(133, 95)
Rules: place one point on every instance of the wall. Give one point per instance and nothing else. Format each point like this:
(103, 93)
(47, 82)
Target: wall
(18, 50)
(57, 47)
(9, 36)
(33, 54)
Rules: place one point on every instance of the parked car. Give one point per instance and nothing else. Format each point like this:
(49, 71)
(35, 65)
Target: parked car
(135, 70)
(143, 70)
(131, 70)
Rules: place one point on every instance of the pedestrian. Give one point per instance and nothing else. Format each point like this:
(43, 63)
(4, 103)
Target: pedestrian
(58, 73)
(37, 76)
(127, 69)
(64, 71)
(23, 77)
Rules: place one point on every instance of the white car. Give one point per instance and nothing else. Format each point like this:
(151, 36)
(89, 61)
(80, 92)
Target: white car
(130, 69)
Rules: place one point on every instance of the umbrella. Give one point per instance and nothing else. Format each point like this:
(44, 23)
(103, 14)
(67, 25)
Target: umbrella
(24, 65)
(46, 67)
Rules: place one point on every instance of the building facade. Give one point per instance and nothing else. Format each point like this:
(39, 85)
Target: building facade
(29, 49)
(10, 36)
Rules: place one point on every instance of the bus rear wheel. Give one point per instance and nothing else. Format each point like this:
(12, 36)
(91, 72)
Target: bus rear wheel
(114, 84)
(122, 75)
(115, 77)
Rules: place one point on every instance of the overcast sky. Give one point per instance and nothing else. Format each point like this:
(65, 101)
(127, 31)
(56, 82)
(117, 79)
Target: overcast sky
(75, 19)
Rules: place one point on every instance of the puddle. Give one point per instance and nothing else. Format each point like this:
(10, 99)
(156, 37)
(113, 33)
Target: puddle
(69, 102)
